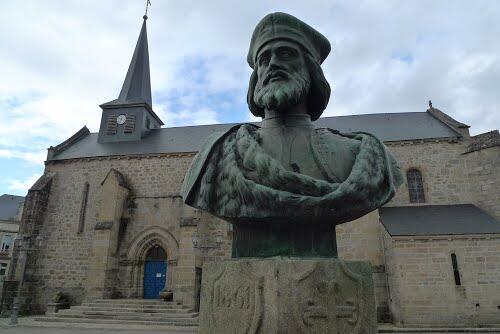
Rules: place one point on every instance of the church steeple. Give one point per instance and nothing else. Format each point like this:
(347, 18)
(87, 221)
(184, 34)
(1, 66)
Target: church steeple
(137, 85)
(130, 117)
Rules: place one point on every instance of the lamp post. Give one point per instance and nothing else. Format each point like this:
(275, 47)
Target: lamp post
(23, 254)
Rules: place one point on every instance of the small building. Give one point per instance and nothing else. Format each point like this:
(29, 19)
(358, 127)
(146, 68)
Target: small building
(11, 208)
(442, 265)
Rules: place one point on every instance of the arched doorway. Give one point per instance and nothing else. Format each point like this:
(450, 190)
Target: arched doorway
(155, 272)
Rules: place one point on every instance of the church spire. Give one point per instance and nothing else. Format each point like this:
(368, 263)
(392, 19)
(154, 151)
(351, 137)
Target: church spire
(131, 117)
(137, 85)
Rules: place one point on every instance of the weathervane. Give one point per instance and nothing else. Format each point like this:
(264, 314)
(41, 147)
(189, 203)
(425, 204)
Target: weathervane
(148, 3)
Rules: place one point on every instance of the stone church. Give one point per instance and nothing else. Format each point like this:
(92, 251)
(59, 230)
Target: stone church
(105, 221)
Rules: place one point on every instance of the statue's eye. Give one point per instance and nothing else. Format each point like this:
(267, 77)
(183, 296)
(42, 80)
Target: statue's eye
(286, 53)
(264, 59)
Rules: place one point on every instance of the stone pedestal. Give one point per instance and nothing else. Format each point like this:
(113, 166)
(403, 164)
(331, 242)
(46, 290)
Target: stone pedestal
(297, 239)
(287, 296)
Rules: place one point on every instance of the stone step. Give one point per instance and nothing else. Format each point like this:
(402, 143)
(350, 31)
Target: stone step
(135, 301)
(121, 315)
(127, 311)
(190, 322)
(136, 305)
(131, 309)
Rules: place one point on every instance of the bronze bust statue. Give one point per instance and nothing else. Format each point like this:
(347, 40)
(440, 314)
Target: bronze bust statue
(286, 184)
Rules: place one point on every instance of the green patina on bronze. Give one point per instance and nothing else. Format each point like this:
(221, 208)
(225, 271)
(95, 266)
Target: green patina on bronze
(285, 185)
(236, 180)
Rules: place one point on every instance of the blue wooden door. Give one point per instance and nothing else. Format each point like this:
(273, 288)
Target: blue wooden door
(155, 276)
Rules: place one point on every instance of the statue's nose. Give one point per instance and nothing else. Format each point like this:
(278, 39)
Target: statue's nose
(274, 61)
(274, 66)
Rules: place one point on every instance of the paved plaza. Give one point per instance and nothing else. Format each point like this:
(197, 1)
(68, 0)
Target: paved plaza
(52, 330)
(27, 325)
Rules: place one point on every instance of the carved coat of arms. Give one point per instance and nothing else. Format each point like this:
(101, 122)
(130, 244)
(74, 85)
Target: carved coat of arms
(328, 299)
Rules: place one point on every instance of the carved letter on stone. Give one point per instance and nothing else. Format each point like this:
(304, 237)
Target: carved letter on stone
(235, 301)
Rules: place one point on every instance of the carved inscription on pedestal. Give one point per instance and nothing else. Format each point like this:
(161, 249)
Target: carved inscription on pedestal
(287, 296)
(232, 300)
(232, 297)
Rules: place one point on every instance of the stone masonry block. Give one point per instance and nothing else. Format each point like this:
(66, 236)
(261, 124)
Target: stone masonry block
(286, 295)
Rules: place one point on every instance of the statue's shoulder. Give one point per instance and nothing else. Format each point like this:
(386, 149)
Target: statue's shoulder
(337, 140)
(203, 155)
(341, 149)
(335, 151)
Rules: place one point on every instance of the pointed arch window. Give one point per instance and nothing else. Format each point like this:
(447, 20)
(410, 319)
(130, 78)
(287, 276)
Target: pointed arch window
(415, 186)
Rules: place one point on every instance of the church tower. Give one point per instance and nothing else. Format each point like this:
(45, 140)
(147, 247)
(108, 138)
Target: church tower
(130, 117)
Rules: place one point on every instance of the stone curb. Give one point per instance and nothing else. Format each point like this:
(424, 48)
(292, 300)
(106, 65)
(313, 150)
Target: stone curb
(393, 329)
(31, 322)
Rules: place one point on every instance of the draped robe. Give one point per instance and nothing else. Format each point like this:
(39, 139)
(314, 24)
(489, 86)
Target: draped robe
(232, 177)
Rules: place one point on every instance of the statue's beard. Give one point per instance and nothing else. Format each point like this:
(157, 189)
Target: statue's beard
(280, 95)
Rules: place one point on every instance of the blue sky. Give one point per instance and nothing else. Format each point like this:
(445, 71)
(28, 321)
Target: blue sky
(60, 59)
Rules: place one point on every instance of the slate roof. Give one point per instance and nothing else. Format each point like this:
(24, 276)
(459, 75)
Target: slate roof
(9, 206)
(437, 220)
(388, 127)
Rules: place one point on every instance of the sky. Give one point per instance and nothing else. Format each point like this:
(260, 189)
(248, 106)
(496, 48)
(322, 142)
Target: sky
(59, 60)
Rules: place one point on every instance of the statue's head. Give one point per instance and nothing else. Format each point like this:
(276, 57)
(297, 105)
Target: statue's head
(286, 55)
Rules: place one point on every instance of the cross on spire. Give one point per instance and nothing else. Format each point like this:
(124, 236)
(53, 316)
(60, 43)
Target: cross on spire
(148, 3)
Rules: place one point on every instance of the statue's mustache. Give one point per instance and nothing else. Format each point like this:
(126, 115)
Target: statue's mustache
(275, 74)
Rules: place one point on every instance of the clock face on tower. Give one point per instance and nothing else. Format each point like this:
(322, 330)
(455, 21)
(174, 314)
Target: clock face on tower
(121, 119)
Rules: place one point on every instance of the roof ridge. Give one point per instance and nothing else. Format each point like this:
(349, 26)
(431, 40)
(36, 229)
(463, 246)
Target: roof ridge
(54, 150)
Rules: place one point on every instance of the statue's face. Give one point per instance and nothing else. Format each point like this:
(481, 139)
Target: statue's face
(283, 79)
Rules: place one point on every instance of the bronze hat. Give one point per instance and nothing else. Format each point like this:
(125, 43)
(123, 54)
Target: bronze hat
(285, 26)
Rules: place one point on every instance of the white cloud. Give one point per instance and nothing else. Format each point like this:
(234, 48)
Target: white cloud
(22, 186)
(33, 157)
(190, 116)
(69, 57)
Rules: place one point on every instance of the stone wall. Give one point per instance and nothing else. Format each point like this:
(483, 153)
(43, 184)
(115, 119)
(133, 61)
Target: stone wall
(483, 167)
(449, 177)
(443, 171)
(154, 202)
(359, 240)
(25, 256)
(422, 282)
